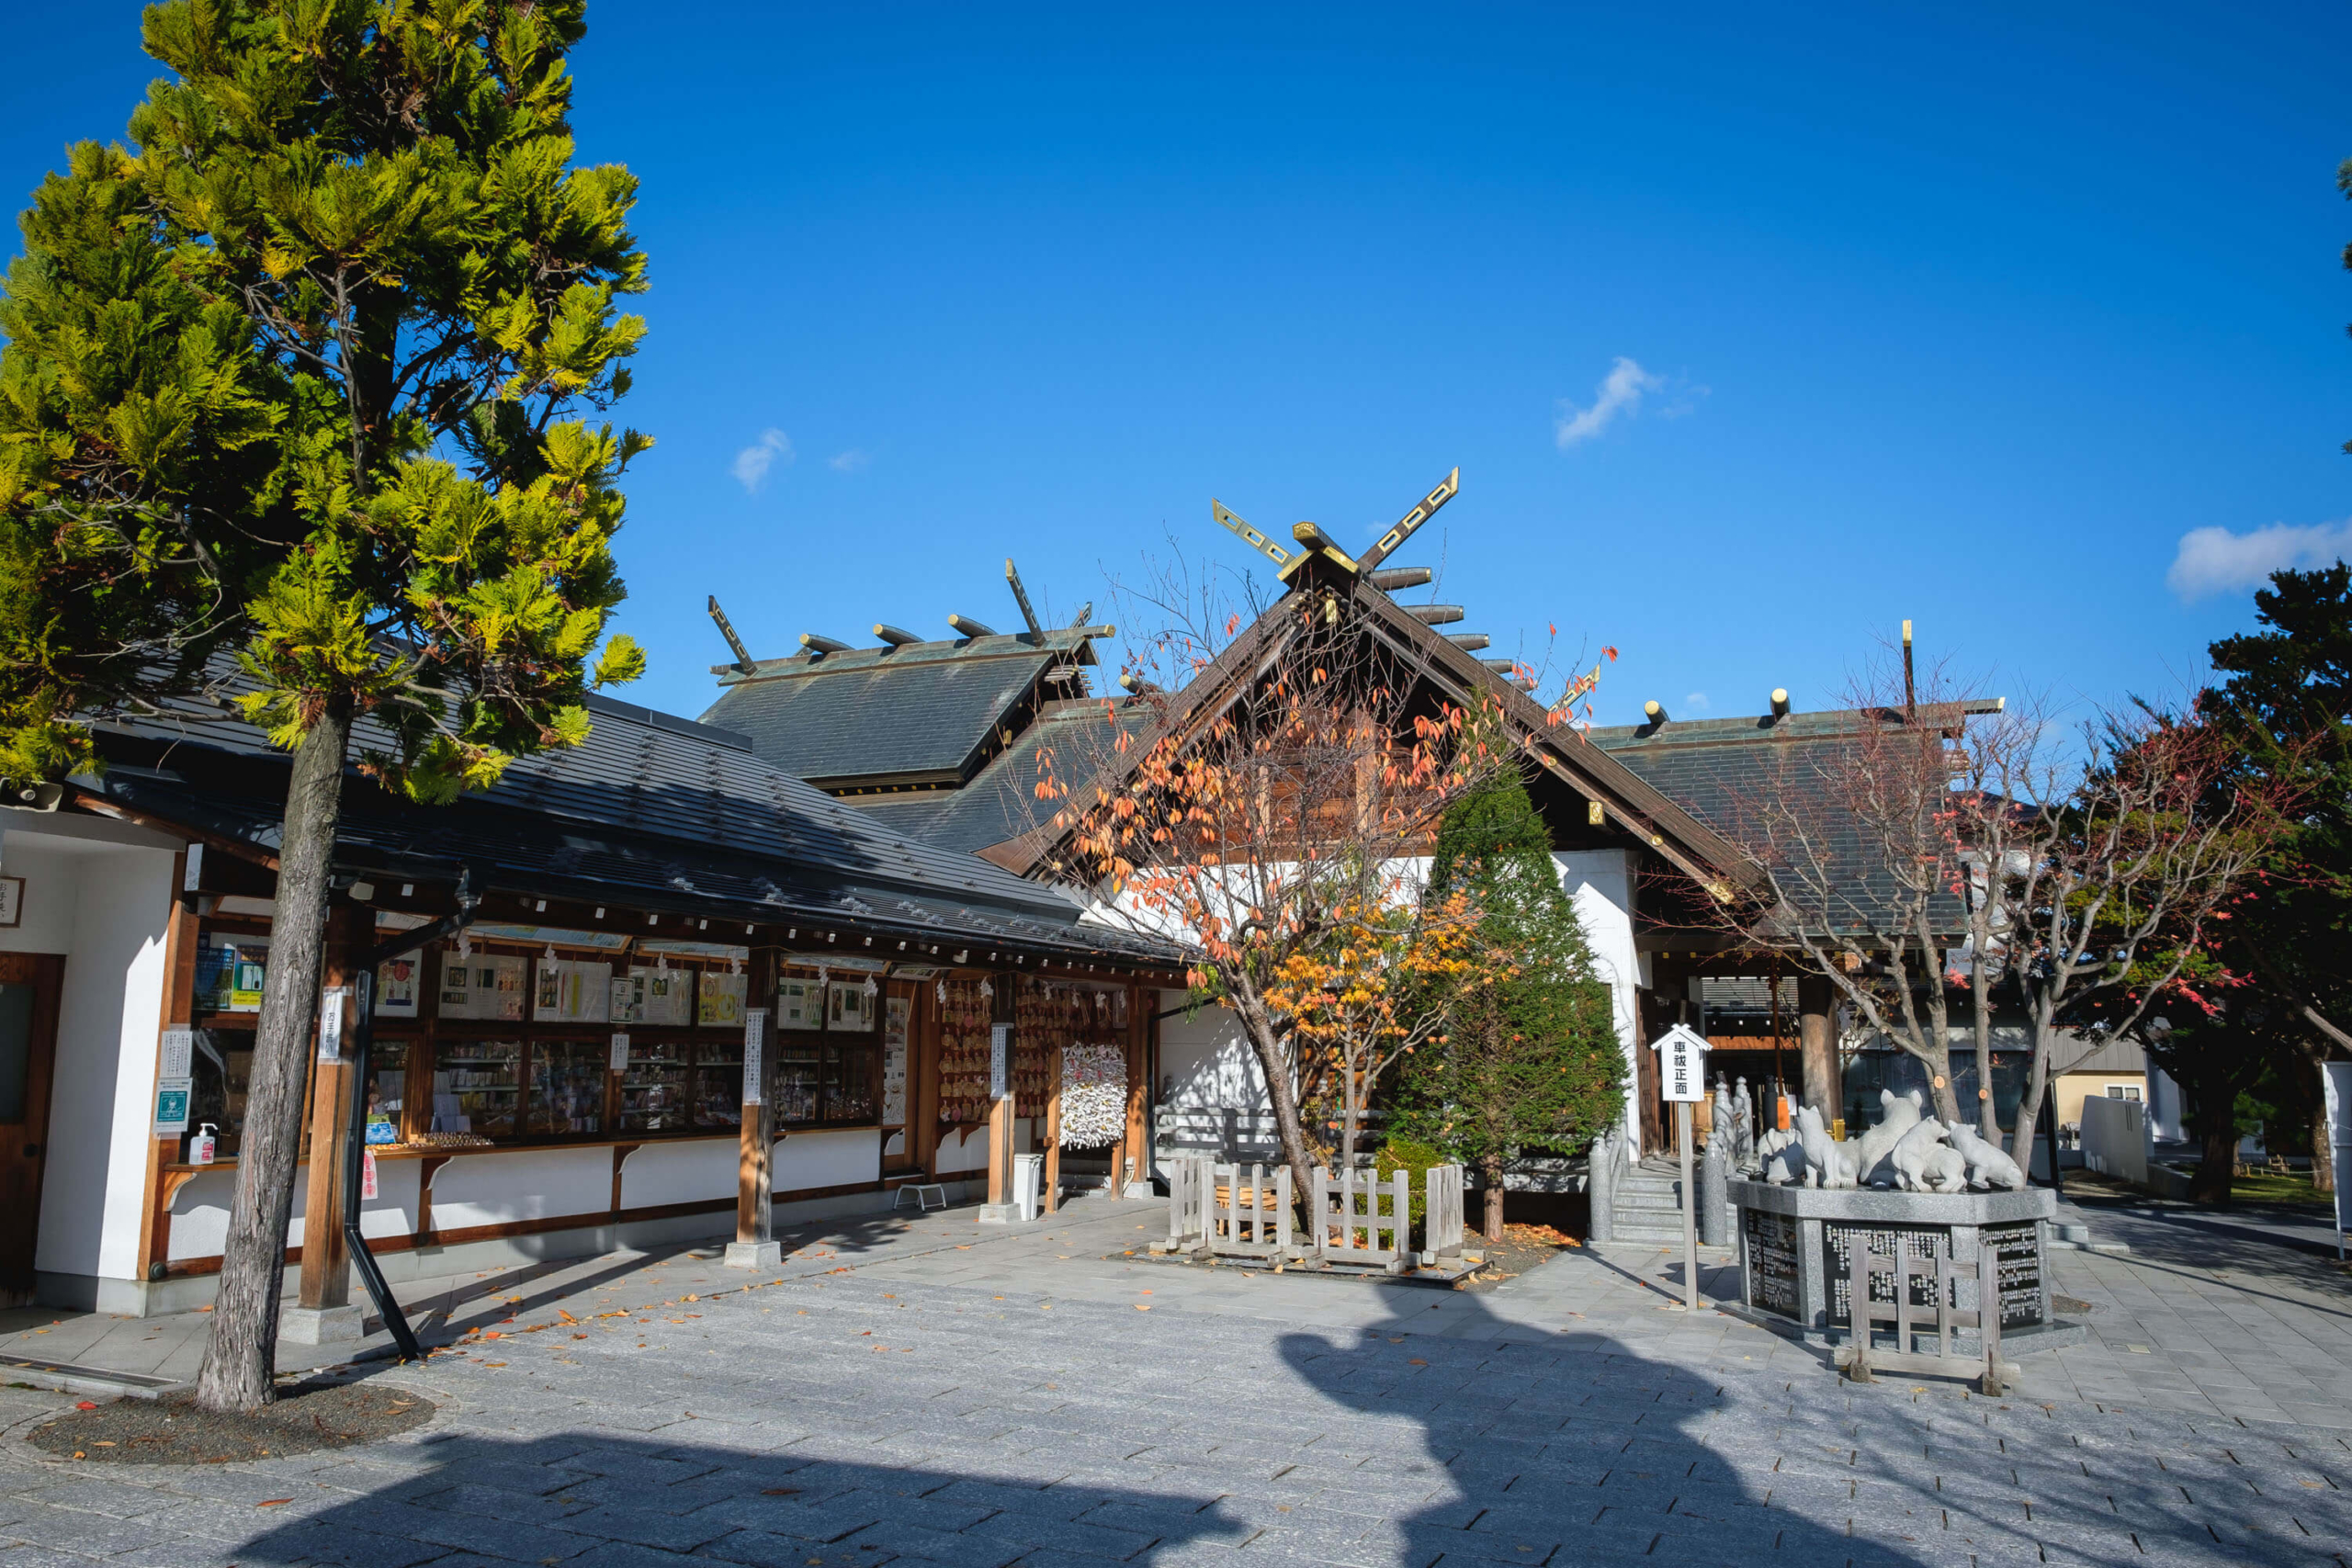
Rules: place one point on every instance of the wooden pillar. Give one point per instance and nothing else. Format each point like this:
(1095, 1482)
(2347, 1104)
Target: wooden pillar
(754, 1176)
(179, 1012)
(1143, 1001)
(326, 1257)
(923, 1077)
(1000, 1111)
(1648, 1010)
(1817, 1046)
(1053, 1134)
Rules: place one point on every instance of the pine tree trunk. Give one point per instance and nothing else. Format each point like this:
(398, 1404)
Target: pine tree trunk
(242, 1357)
(2211, 1184)
(2322, 1155)
(1491, 1177)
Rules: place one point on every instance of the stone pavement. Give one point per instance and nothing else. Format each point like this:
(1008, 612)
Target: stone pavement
(1045, 1398)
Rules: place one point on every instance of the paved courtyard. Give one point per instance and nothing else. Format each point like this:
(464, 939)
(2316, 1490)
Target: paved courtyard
(947, 1395)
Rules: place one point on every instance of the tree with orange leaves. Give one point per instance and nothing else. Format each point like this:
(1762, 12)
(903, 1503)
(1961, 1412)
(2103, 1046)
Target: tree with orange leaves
(1382, 985)
(1270, 817)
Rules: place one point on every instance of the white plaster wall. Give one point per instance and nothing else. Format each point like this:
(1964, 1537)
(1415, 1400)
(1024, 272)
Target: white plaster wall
(687, 1172)
(1206, 1060)
(1600, 887)
(52, 886)
(962, 1151)
(526, 1184)
(823, 1159)
(109, 1010)
(200, 1215)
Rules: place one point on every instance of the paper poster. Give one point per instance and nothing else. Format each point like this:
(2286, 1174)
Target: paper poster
(488, 986)
(850, 1007)
(894, 1061)
(396, 986)
(799, 1004)
(572, 991)
(722, 999)
(178, 1054)
(171, 1106)
(367, 1173)
(330, 1002)
(755, 1029)
(620, 1053)
(663, 997)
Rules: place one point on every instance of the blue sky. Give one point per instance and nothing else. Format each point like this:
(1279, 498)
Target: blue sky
(1968, 314)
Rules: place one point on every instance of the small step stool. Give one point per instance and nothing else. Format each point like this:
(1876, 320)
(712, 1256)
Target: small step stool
(924, 1192)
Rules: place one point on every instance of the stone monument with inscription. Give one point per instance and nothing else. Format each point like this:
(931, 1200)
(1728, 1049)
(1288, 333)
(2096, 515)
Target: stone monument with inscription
(1797, 1253)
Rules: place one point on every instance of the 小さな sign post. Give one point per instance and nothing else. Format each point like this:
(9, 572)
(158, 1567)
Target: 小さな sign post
(1682, 1075)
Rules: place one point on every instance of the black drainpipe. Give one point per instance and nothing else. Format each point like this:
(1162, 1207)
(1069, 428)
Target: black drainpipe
(355, 1135)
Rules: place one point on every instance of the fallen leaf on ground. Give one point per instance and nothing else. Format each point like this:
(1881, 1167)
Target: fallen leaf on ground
(1143, 1306)
(274, 1503)
(1417, 1362)
(87, 1404)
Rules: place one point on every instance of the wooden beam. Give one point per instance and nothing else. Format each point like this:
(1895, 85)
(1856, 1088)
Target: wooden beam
(326, 1255)
(179, 1012)
(1052, 1194)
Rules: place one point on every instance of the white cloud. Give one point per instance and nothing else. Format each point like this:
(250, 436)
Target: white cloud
(1696, 702)
(850, 462)
(1620, 392)
(752, 464)
(2214, 560)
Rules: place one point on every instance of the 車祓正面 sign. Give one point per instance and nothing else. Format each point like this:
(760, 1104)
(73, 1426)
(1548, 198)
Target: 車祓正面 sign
(1681, 1075)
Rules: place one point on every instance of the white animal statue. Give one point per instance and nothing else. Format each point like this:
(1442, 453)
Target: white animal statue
(1782, 1157)
(1827, 1164)
(1897, 1116)
(1922, 1163)
(1988, 1165)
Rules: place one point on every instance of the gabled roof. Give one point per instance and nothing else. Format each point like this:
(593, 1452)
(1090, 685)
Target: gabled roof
(1730, 773)
(1646, 817)
(919, 713)
(652, 808)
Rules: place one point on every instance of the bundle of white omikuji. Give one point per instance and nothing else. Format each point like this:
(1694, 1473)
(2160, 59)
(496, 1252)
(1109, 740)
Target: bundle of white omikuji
(1094, 1095)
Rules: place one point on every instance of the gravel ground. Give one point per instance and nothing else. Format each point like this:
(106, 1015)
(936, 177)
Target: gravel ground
(304, 1418)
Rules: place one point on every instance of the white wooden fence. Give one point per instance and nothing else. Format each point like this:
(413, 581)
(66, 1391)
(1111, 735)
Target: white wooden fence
(1188, 1186)
(1442, 1218)
(1248, 1215)
(1359, 1219)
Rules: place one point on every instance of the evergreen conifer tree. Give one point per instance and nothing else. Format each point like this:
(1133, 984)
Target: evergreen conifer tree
(289, 396)
(1530, 1058)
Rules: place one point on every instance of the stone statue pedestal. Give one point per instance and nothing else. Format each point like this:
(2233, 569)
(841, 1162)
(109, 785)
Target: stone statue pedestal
(1795, 1258)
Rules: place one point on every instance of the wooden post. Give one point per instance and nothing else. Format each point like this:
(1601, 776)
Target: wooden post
(754, 1246)
(1000, 1014)
(1050, 1197)
(923, 1029)
(179, 1012)
(1135, 1148)
(326, 1257)
(1817, 1046)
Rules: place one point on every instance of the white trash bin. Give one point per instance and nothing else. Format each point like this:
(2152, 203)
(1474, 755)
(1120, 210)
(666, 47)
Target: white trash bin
(1028, 1180)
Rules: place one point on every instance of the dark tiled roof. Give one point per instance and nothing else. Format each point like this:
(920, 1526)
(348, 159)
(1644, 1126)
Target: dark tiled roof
(1000, 802)
(654, 806)
(1749, 778)
(925, 710)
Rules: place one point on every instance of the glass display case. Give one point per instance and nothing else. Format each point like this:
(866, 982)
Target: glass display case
(386, 1088)
(718, 1084)
(796, 1079)
(568, 1087)
(849, 1082)
(477, 1088)
(653, 1087)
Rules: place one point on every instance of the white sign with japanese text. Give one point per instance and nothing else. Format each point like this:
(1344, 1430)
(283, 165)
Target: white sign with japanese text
(1681, 1070)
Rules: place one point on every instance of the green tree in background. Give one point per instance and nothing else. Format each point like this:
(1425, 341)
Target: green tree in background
(2289, 693)
(289, 397)
(1530, 1058)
